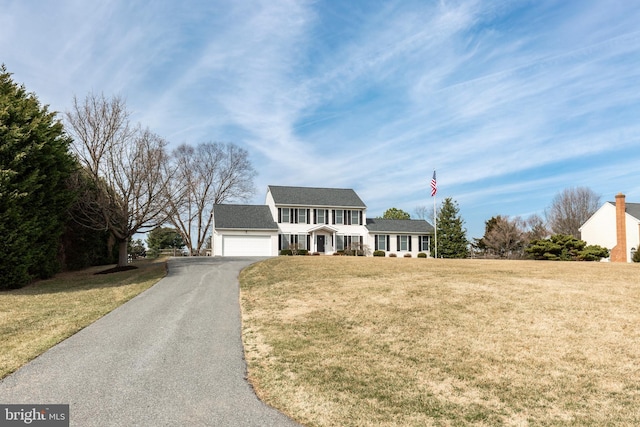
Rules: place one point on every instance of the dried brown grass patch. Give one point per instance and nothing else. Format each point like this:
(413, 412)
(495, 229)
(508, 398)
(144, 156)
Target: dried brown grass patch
(370, 341)
(37, 317)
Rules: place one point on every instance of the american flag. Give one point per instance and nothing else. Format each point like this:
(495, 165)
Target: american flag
(434, 186)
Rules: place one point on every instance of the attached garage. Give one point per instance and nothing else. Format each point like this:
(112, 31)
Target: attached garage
(246, 245)
(244, 230)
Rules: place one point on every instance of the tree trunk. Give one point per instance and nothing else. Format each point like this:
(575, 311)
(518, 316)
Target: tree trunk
(123, 255)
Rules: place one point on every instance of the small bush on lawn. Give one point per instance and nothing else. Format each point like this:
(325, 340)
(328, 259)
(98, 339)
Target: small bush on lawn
(392, 255)
(422, 255)
(294, 252)
(407, 255)
(378, 253)
(636, 256)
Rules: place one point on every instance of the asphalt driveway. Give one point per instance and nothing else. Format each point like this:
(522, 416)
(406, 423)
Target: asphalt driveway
(172, 356)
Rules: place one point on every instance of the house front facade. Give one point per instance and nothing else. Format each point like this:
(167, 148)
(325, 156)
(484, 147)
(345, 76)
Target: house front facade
(615, 226)
(318, 220)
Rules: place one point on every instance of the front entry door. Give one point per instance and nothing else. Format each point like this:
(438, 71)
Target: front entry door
(320, 243)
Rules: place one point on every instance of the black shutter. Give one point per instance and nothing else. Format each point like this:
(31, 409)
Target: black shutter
(308, 241)
(279, 240)
(398, 243)
(410, 239)
(308, 216)
(326, 216)
(360, 214)
(376, 242)
(279, 215)
(315, 216)
(295, 218)
(388, 242)
(333, 216)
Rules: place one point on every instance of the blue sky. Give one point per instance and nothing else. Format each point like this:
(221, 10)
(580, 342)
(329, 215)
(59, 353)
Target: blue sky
(510, 101)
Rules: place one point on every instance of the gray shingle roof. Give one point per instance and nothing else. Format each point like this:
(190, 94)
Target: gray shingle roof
(311, 196)
(399, 226)
(252, 217)
(633, 209)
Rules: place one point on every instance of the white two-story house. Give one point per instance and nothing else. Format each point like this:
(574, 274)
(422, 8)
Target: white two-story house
(318, 220)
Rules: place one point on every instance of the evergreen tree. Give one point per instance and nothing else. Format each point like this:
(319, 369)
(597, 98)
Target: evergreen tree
(35, 164)
(163, 238)
(452, 237)
(395, 213)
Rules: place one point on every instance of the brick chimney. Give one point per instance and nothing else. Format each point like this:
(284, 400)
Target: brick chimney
(619, 252)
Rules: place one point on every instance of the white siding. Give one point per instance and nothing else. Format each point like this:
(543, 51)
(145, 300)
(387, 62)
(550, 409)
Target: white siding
(240, 243)
(600, 229)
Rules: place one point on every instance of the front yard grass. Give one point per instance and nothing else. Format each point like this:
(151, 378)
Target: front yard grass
(37, 317)
(346, 341)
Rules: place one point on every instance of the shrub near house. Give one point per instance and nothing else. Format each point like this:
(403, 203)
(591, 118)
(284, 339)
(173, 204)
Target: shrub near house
(565, 248)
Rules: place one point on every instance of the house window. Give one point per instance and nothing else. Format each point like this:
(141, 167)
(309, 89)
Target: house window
(302, 216)
(320, 219)
(424, 243)
(355, 217)
(403, 243)
(302, 241)
(286, 215)
(284, 241)
(381, 242)
(340, 242)
(339, 216)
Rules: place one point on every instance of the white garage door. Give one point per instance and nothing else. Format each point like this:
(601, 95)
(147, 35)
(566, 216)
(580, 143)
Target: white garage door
(246, 246)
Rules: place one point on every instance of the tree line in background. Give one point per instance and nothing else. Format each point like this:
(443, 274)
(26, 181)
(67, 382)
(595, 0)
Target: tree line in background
(74, 194)
(557, 238)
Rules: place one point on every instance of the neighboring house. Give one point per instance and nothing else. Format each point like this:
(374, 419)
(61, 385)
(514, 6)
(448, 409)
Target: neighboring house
(322, 220)
(615, 226)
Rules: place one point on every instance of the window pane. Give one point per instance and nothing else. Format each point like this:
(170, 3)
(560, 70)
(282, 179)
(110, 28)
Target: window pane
(302, 216)
(320, 218)
(424, 243)
(285, 215)
(339, 214)
(382, 242)
(355, 217)
(339, 242)
(302, 241)
(403, 243)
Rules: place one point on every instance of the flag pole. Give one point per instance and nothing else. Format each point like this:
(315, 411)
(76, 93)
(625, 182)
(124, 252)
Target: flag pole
(435, 227)
(434, 191)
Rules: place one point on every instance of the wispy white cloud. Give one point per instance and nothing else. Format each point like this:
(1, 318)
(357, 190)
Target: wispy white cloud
(501, 98)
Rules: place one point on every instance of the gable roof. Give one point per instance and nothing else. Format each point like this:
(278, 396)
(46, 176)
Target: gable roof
(251, 217)
(633, 209)
(311, 196)
(399, 226)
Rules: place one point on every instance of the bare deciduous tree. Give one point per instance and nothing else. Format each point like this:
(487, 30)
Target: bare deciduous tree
(537, 228)
(505, 237)
(570, 209)
(127, 165)
(423, 212)
(210, 173)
